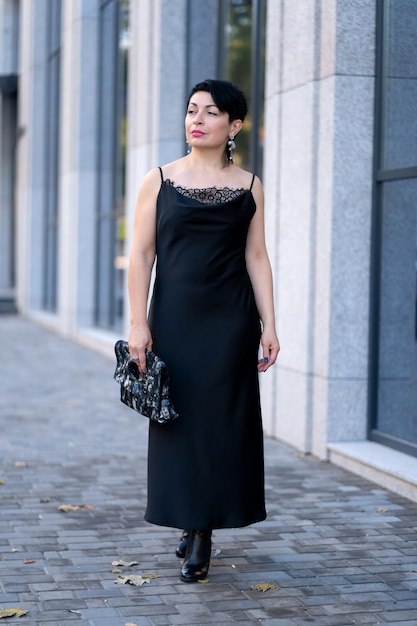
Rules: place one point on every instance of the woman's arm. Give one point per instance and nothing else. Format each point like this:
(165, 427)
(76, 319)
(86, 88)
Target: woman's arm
(142, 258)
(259, 269)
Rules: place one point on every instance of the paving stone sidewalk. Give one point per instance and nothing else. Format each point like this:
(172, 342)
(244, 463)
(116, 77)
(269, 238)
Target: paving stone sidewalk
(339, 549)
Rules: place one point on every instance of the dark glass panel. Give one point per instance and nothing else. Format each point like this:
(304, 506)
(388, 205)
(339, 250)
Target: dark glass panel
(400, 85)
(50, 252)
(397, 370)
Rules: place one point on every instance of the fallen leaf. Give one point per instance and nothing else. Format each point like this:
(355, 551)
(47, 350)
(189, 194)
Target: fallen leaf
(27, 561)
(65, 508)
(264, 586)
(74, 611)
(2, 482)
(204, 581)
(124, 563)
(152, 576)
(68, 507)
(115, 571)
(129, 624)
(414, 570)
(382, 509)
(12, 613)
(217, 552)
(132, 580)
(20, 464)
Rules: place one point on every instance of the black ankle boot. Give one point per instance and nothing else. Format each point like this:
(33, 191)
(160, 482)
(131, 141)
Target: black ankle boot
(182, 544)
(197, 556)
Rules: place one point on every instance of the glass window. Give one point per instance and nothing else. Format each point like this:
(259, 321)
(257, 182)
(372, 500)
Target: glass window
(400, 84)
(242, 61)
(397, 368)
(393, 391)
(8, 134)
(50, 257)
(111, 261)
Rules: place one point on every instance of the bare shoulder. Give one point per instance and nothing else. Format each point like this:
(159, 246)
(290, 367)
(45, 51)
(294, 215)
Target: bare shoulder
(242, 178)
(150, 185)
(173, 169)
(148, 191)
(257, 192)
(257, 186)
(246, 180)
(152, 178)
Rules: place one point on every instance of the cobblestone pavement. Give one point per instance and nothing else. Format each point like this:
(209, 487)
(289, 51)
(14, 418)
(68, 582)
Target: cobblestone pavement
(339, 549)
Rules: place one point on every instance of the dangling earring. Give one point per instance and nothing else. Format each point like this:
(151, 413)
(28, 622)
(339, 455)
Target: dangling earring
(188, 148)
(230, 147)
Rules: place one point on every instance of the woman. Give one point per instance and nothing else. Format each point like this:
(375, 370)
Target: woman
(201, 216)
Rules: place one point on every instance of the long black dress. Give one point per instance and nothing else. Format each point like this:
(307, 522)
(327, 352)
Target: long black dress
(205, 469)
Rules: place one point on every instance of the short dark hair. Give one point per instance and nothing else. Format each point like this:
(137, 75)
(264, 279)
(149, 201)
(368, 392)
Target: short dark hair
(227, 97)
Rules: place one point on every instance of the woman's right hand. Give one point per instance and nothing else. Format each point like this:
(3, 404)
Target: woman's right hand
(140, 338)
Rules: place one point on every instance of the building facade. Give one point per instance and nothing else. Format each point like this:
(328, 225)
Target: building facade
(92, 95)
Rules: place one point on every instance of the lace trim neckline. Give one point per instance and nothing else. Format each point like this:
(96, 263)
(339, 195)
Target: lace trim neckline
(208, 195)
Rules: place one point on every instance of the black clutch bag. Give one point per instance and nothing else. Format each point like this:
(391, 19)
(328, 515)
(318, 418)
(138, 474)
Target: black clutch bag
(147, 393)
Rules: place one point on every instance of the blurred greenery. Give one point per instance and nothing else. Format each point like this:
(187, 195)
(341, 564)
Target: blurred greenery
(238, 61)
(238, 42)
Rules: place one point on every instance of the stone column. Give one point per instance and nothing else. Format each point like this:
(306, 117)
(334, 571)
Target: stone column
(318, 176)
(78, 163)
(30, 188)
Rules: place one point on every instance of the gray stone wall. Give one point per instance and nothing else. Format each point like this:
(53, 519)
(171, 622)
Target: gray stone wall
(318, 176)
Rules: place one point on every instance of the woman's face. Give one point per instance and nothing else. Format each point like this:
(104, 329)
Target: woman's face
(205, 125)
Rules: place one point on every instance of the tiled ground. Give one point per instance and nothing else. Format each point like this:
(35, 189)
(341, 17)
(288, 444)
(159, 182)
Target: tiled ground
(339, 549)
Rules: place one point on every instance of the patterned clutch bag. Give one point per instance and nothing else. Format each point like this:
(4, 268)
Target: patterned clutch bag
(147, 393)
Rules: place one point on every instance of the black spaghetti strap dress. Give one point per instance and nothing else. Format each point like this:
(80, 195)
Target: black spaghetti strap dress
(206, 469)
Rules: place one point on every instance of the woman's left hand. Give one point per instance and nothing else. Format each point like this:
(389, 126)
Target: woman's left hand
(270, 348)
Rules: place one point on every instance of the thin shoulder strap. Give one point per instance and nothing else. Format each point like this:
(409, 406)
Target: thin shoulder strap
(253, 180)
(162, 175)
